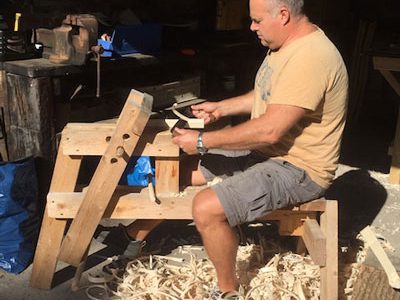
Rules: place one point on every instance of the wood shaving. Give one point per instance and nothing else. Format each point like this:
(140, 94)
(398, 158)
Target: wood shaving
(352, 271)
(284, 276)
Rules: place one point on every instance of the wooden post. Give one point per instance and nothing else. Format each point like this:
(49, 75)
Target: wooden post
(167, 175)
(52, 231)
(329, 273)
(122, 143)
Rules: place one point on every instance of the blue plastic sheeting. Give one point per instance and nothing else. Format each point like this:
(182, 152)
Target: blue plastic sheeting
(19, 223)
(137, 172)
(129, 39)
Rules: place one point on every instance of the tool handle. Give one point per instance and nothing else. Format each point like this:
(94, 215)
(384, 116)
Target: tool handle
(16, 24)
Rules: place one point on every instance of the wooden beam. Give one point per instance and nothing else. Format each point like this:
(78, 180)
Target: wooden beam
(52, 231)
(386, 63)
(314, 205)
(315, 242)
(127, 205)
(93, 139)
(130, 126)
(329, 273)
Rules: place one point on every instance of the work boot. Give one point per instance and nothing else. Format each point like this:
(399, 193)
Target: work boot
(118, 238)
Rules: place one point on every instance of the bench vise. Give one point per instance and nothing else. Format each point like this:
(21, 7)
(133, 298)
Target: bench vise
(71, 42)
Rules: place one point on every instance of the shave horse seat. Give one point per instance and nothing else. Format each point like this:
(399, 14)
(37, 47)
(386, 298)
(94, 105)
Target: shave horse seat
(316, 222)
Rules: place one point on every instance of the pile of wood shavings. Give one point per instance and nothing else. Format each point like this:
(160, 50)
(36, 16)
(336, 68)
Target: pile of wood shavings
(284, 276)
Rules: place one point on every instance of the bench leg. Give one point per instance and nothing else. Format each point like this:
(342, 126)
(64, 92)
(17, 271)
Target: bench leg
(52, 231)
(329, 273)
(78, 273)
(45, 261)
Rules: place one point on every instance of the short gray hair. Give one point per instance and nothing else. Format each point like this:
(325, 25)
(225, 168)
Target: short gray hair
(295, 6)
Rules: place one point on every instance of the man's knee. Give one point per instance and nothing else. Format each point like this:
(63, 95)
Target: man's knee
(207, 209)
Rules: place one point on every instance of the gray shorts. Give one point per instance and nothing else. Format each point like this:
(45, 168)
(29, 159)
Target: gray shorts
(254, 185)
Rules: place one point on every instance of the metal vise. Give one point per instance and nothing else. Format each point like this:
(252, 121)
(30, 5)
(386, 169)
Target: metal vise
(71, 42)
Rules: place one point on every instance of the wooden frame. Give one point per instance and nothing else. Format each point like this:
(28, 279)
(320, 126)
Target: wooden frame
(104, 199)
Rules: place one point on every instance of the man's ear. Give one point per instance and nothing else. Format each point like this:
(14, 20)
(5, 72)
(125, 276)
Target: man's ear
(284, 15)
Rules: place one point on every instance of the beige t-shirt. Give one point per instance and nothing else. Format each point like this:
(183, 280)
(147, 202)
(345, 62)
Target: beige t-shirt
(308, 73)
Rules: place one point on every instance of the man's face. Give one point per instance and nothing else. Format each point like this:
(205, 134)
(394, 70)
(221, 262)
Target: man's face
(266, 23)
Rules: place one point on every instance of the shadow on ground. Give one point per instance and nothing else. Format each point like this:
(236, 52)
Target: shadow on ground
(360, 198)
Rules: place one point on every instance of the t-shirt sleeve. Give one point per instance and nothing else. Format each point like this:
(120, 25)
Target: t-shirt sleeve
(302, 82)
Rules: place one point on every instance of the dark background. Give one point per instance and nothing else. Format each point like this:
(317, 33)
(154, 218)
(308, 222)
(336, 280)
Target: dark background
(227, 60)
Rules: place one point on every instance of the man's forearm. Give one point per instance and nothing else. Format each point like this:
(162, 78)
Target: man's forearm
(248, 135)
(238, 105)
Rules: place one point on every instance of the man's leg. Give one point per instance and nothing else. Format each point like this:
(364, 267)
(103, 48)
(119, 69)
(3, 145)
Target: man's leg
(219, 238)
(140, 229)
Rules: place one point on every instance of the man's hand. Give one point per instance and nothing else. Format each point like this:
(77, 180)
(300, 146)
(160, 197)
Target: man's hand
(186, 139)
(208, 111)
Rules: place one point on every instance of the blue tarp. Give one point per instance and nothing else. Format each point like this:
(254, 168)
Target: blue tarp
(137, 171)
(19, 224)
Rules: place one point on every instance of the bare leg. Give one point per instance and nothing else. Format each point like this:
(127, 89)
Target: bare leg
(189, 171)
(219, 239)
(140, 229)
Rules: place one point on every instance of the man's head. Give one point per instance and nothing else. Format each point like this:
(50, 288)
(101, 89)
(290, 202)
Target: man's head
(272, 19)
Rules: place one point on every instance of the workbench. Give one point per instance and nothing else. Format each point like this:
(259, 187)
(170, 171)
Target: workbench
(386, 65)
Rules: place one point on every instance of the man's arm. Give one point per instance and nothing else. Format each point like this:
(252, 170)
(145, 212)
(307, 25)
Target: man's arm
(268, 129)
(212, 111)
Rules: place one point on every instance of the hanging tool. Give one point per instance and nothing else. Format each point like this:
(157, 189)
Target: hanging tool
(16, 24)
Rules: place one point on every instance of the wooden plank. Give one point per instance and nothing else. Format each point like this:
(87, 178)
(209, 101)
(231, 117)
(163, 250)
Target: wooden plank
(167, 175)
(290, 221)
(125, 205)
(329, 273)
(386, 63)
(130, 126)
(52, 231)
(314, 205)
(376, 247)
(92, 139)
(315, 242)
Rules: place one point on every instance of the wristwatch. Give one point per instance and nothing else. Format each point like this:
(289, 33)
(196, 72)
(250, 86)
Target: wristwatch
(200, 145)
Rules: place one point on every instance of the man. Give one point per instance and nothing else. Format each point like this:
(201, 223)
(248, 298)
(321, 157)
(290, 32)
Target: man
(287, 153)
